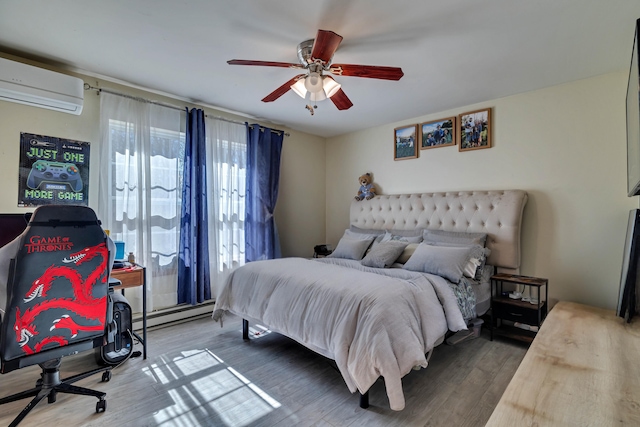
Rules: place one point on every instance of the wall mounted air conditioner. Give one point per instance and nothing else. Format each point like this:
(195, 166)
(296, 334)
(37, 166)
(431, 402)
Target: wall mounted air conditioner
(38, 87)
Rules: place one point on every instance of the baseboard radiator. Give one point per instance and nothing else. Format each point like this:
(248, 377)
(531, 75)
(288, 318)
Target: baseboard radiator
(173, 315)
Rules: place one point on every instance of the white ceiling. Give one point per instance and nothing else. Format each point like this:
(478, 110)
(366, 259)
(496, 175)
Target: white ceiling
(453, 52)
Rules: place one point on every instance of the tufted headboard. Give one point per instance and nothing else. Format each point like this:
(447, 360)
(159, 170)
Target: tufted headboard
(497, 213)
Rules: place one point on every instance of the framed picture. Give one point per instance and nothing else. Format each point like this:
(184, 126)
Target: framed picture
(439, 133)
(406, 142)
(474, 130)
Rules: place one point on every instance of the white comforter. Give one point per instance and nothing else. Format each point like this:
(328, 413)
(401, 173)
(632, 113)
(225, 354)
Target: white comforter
(372, 322)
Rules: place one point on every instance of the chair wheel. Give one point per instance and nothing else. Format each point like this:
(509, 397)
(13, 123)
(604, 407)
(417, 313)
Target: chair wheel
(106, 376)
(101, 406)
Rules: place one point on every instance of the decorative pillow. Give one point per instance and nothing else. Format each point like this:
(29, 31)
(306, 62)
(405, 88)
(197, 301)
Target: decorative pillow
(457, 237)
(474, 267)
(406, 254)
(352, 246)
(388, 236)
(384, 254)
(406, 233)
(446, 261)
(486, 273)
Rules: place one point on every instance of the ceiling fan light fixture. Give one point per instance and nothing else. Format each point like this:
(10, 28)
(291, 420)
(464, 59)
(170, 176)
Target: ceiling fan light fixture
(330, 86)
(313, 82)
(298, 87)
(317, 96)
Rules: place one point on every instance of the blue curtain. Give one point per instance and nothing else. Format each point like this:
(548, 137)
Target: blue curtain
(194, 284)
(264, 148)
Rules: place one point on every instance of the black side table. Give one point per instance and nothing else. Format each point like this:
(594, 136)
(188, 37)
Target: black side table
(528, 314)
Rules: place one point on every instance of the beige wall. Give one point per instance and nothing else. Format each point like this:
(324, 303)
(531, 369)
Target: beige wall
(300, 213)
(564, 145)
(300, 210)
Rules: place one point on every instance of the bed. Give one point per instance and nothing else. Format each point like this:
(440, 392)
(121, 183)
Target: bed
(409, 270)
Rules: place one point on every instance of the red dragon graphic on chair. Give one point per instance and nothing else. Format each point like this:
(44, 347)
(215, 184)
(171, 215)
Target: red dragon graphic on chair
(82, 305)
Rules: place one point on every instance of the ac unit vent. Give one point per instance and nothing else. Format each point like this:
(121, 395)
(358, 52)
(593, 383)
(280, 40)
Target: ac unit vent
(37, 87)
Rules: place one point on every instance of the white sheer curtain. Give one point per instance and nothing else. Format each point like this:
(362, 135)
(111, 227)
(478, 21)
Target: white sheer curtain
(142, 148)
(227, 154)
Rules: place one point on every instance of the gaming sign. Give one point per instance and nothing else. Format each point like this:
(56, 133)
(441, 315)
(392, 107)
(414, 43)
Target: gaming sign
(53, 171)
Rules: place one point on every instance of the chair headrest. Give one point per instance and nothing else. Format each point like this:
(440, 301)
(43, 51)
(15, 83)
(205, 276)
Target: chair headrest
(65, 213)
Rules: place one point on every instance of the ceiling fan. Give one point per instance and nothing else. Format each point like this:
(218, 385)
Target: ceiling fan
(315, 56)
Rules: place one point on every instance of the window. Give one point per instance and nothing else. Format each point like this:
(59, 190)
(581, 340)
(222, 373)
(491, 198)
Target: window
(142, 151)
(142, 147)
(165, 186)
(227, 149)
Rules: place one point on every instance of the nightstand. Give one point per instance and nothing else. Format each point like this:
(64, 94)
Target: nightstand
(529, 314)
(321, 251)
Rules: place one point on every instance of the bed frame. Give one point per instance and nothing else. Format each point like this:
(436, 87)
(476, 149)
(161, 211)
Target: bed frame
(497, 213)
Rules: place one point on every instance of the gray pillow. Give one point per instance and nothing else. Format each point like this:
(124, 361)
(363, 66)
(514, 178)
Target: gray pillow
(388, 236)
(384, 254)
(446, 261)
(351, 248)
(477, 259)
(406, 233)
(441, 236)
(357, 230)
(362, 235)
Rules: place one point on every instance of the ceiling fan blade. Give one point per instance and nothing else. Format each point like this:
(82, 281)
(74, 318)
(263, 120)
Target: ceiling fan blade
(341, 100)
(282, 89)
(265, 63)
(325, 45)
(370, 71)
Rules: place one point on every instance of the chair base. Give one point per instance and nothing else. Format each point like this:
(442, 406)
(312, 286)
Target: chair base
(50, 384)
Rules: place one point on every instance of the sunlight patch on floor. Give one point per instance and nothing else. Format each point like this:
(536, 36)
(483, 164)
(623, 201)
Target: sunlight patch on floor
(193, 363)
(258, 331)
(240, 407)
(255, 388)
(206, 388)
(189, 363)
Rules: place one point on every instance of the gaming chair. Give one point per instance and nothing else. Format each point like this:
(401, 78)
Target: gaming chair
(56, 284)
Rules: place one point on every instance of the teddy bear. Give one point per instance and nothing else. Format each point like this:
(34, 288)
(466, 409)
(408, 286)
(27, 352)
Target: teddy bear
(367, 189)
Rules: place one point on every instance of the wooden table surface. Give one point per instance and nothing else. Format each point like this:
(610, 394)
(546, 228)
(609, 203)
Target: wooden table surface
(130, 277)
(583, 369)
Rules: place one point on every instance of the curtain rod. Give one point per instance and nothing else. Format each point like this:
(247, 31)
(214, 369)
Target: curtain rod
(87, 86)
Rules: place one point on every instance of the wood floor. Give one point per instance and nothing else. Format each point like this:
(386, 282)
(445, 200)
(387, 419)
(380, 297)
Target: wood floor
(198, 374)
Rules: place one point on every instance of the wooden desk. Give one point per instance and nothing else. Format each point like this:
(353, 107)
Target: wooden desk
(131, 278)
(582, 369)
